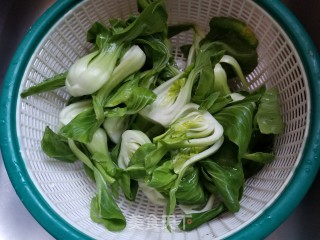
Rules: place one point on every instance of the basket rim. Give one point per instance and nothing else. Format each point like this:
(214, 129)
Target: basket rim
(260, 227)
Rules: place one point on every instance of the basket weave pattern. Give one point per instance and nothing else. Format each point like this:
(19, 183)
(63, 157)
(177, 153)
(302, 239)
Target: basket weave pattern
(66, 186)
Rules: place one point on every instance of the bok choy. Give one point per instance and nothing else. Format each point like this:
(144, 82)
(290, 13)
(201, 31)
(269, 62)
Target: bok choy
(186, 137)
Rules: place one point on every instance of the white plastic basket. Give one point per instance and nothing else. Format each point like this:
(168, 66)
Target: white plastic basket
(65, 188)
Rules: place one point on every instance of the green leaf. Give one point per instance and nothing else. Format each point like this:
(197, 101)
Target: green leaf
(204, 86)
(136, 167)
(172, 200)
(225, 172)
(232, 30)
(123, 93)
(226, 155)
(111, 181)
(194, 220)
(82, 127)
(97, 30)
(140, 98)
(190, 190)
(163, 177)
(106, 163)
(117, 23)
(140, 154)
(153, 19)
(136, 171)
(237, 39)
(174, 30)
(104, 209)
(129, 187)
(202, 74)
(209, 185)
(260, 157)
(237, 124)
(153, 157)
(56, 146)
(114, 154)
(132, 97)
(269, 114)
(219, 104)
(157, 53)
(49, 84)
(214, 102)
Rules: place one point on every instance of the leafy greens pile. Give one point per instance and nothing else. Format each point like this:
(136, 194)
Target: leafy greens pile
(182, 136)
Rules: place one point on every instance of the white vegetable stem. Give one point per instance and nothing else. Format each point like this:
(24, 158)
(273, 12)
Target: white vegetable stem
(236, 67)
(211, 150)
(198, 36)
(115, 127)
(171, 97)
(199, 126)
(131, 141)
(237, 97)
(212, 126)
(71, 111)
(79, 154)
(99, 143)
(221, 84)
(89, 73)
(152, 194)
(130, 62)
